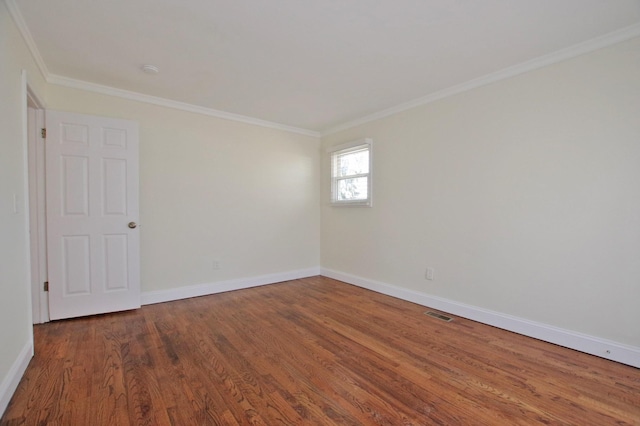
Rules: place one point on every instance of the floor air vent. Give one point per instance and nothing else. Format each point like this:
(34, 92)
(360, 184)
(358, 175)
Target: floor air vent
(439, 316)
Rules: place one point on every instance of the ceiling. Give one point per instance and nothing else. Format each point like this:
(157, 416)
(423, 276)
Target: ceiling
(307, 64)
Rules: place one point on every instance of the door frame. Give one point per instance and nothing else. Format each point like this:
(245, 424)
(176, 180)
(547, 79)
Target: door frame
(35, 206)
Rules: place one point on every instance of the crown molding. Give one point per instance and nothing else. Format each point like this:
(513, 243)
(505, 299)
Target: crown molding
(606, 40)
(168, 103)
(14, 11)
(26, 35)
(555, 57)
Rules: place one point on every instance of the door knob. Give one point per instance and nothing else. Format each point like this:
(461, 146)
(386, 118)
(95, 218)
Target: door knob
(132, 225)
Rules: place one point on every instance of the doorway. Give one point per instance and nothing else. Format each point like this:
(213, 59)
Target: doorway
(82, 220)
(37, 211)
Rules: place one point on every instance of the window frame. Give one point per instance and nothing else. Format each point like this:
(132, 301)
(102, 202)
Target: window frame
(346, 148)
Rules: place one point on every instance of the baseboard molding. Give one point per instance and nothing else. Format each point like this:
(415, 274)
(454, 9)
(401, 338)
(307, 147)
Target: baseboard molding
(603, 348)
(11, 381)
(151, 297)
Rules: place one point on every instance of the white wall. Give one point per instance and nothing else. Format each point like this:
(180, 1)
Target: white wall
(214, 189)
(524, 195)
(210, 189)
(15, 303)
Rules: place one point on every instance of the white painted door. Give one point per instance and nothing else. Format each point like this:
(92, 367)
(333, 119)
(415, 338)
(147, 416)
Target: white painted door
(93, 241)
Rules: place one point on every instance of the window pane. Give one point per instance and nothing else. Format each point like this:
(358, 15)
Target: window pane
(352, 189)
(353, 163)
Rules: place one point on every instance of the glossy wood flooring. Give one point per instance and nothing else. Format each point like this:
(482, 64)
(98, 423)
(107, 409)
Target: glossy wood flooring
(311, 351)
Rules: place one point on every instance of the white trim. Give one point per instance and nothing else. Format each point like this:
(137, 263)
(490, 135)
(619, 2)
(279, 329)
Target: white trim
(603, 348)
(14, 11)
(33, 96)
(168, 103)
(135, 96)
(542, 61)
(350, 144)
(12, 379)
(34, 260)
(552, 58)
(42, 217)
(37, 253)
(25, 192)
(37, 217)
(160, 296)
(334, 153)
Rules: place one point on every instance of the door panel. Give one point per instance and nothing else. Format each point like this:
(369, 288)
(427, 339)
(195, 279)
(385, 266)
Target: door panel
(75, 185)
(115, 192)
(115, 260)
(92, 195)
(76, 273)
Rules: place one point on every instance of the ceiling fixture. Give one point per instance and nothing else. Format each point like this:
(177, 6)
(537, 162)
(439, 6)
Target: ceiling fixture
(150, 69)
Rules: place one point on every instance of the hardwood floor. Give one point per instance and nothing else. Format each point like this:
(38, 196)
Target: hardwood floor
(311, 351)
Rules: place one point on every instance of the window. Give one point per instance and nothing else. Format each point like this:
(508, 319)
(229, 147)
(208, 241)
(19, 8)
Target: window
(351, 173)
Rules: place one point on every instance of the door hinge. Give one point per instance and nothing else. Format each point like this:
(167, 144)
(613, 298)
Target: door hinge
(46, 286)
(43, 133)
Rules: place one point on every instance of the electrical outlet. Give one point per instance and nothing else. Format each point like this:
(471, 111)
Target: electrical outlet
(429, 274)
(215, 264)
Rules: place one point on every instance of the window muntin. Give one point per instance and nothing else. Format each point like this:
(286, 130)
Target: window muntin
(351, 174)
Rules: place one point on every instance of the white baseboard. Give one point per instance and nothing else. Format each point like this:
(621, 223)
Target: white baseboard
(11, 381)
(603, 348)
(160, 296)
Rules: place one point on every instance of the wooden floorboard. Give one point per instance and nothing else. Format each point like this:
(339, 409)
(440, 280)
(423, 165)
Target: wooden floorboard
(313, 351)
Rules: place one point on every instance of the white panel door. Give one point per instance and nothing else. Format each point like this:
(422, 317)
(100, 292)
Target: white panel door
(93, 241)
